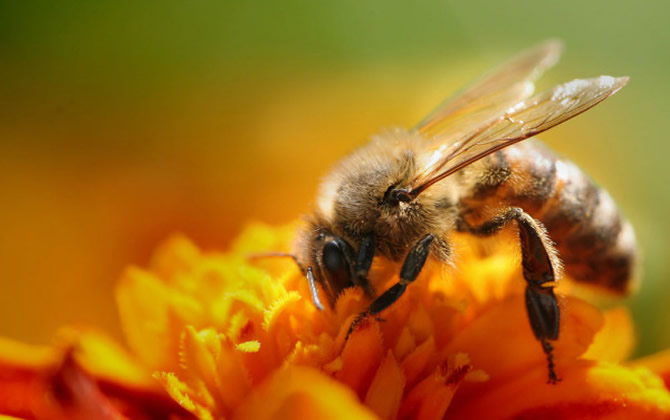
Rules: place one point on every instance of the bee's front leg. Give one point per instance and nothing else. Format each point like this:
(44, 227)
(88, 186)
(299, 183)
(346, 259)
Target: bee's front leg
(364, 257)
(410, 270)
(539, 270)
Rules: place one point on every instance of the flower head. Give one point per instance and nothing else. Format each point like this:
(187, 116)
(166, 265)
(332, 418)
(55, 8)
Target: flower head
(230, 338)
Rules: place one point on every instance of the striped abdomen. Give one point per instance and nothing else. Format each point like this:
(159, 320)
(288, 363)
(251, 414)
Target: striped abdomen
(597, 246)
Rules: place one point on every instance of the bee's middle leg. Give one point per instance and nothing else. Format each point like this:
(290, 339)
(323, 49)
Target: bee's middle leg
(411, 268)
(539, 271)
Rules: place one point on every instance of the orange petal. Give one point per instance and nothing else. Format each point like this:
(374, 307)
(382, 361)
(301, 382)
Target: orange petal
(421, 324)
(84, 373)
(105, 359)
(431, 397)
(361, 357)
(385, 392)
(233, 378)
(175, 256)
(616, 339)
(501, 342)
(417, 361)
(302, 393)
(588, 390)
(152, 318)
(405, 343)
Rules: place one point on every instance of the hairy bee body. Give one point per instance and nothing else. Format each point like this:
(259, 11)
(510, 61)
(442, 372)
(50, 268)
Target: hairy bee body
(595, 243)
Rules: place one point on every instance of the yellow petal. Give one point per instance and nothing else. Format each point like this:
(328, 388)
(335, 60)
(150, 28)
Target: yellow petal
(616, 339)
(658, 363)
(302, 393)
(249, 346)
(16, 354)
(181, 393)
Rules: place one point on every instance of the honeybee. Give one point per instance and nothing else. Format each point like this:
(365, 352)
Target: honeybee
(461, 169)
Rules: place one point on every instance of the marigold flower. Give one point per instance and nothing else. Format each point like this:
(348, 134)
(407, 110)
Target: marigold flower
(233, 339)
(227, 337)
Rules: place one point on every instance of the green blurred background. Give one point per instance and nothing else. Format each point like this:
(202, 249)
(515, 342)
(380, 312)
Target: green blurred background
(122, 122)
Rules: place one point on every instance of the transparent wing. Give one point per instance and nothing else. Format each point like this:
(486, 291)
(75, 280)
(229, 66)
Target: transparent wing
(494, 93)
(519, 122)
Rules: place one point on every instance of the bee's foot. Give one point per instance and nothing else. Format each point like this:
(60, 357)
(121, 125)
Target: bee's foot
(551, 366)
(359, 318)
(553, 379)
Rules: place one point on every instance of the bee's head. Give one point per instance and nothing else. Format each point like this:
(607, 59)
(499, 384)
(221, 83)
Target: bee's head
(332, 258)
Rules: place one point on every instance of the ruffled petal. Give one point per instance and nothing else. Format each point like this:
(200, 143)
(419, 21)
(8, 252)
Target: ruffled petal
(105, 359)
(588, 390)
(302, 393)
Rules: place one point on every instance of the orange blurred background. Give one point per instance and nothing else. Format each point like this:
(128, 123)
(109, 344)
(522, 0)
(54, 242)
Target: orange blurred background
(121, 123)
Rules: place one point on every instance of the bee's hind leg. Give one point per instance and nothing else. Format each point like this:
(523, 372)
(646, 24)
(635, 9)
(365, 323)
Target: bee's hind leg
(410, 270)
(539, 270)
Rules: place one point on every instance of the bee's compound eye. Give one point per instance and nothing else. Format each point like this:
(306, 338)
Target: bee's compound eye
(336, 265)
(333, 257)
